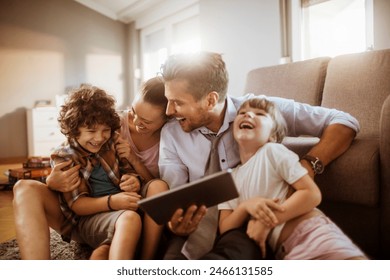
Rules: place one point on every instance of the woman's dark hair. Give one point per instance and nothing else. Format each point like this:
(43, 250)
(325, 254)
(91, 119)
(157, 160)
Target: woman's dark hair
(153, 92)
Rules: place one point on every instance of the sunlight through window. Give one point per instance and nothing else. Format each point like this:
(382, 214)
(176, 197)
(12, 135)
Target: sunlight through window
(334, 27)
(155, 53)
(165, 38)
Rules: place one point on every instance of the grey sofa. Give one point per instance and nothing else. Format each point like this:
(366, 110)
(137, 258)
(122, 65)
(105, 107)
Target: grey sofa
(356, 186)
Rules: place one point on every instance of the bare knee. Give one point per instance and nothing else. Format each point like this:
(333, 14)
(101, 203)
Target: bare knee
(28, 189)
(22, 185)
(32, 196)
(129, 218)
(156, 186)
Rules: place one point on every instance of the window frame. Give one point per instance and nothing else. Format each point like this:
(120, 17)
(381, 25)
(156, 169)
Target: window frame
(298, 33)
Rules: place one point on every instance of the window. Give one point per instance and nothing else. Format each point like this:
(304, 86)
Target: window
(334, 27)
(155, 51)
(175, 34)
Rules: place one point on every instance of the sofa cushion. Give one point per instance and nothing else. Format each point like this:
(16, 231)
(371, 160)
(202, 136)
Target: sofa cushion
(300, 145)
(302, 81)
(339, 182)
(359, 84)
(355, 176)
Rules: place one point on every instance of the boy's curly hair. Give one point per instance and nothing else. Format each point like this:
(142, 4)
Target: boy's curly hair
(87, 106)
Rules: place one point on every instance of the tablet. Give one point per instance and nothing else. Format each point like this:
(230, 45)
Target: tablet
(209, 191)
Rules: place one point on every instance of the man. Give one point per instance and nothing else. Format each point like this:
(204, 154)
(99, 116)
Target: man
(196, 89)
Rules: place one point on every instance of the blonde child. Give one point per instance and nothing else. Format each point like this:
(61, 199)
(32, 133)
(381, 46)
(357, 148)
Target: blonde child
(289, 222)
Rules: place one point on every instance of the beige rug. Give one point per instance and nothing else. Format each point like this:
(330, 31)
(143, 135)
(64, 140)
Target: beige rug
(60, 250)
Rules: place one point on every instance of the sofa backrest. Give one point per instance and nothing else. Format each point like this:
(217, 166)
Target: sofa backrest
(302, 81)
(359, 84)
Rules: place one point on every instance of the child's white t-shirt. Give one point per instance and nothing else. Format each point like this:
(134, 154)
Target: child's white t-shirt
(268, 174)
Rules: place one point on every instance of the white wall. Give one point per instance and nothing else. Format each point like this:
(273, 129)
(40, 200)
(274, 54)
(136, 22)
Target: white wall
(47, 46)
(381, 24)
(246, 32)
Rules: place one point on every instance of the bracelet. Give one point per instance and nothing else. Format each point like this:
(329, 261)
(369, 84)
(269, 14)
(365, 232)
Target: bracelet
(108, 202)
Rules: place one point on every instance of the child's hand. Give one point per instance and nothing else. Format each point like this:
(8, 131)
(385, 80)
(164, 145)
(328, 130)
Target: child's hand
(129, 183)
(257, 231)
(125, 201)
(263, 209)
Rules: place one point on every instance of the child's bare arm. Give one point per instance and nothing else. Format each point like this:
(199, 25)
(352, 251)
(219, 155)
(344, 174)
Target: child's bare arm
(305, 198)
(259, 208)
(263, 209)
(86, 205)
(229, 219)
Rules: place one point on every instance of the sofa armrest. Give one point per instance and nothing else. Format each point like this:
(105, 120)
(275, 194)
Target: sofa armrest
(384, 148)
(300, 145)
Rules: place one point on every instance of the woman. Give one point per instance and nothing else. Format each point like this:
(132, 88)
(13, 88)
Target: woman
(141, 127)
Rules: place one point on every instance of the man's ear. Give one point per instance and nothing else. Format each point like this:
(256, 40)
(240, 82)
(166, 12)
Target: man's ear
(212, 99)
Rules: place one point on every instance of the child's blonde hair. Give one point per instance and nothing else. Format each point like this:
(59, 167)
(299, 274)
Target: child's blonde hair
(279, 129)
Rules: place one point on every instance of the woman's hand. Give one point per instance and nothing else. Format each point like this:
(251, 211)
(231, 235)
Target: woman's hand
(63, 177)
(124, 150)
(130, 183)
(184, 224)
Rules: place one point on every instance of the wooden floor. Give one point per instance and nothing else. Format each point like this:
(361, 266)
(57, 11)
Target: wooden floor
(7, 227)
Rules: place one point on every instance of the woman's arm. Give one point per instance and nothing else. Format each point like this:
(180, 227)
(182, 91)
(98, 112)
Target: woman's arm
(125, 152)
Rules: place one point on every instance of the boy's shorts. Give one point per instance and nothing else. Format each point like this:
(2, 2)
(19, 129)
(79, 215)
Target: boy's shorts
(318, 238)
(97, 229)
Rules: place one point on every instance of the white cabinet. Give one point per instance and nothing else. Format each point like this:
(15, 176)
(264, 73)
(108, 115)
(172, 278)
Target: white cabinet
(43, 131)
